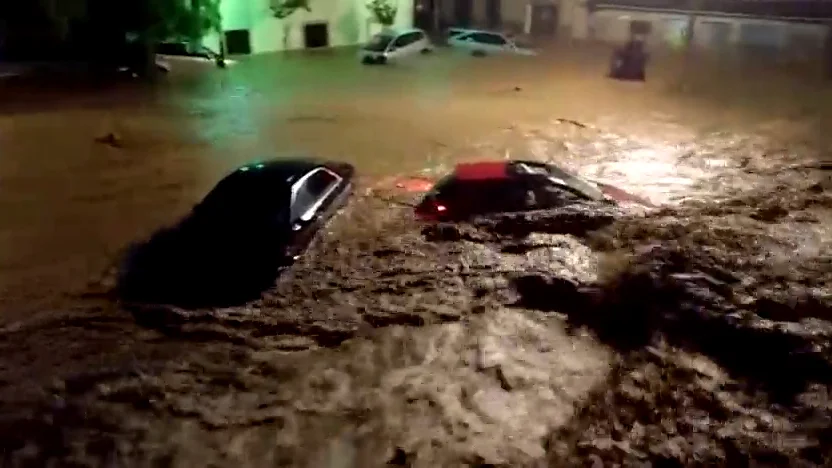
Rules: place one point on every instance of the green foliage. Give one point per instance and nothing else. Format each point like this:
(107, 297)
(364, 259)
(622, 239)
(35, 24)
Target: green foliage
(384, 11)
(282, 9)
(185, 20)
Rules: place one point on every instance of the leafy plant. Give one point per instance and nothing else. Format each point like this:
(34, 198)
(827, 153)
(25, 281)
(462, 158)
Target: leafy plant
(159, 20)
(282, 9)
(384, 11)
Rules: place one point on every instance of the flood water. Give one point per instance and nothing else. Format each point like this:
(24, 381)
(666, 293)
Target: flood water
(448, 355)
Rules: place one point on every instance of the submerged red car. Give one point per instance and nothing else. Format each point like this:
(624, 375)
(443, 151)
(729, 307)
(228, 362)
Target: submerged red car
(509, 186)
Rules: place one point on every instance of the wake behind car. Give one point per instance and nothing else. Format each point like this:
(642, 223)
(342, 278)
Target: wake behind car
(511, 186)
(255, 221)
(170, 54)
(394, 45)
(481, 43)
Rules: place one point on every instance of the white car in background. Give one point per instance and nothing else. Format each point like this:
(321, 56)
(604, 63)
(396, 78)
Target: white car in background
(481, 43)
(393, 45)
(170, 54)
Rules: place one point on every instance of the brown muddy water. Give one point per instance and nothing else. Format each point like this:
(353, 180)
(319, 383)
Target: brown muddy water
(697, 333)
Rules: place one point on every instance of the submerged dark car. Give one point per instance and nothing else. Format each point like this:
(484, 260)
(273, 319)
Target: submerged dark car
(255, 221)
(510, 186)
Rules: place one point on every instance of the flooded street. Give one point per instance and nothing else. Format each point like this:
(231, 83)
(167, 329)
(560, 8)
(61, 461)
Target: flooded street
(697, 332)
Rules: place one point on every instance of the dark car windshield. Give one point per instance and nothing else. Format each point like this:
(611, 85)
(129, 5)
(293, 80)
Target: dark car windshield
(560, 178)
(379, 43)
(249, 195)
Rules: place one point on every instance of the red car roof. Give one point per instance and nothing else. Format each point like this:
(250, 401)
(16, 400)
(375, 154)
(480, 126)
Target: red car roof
(482, 170)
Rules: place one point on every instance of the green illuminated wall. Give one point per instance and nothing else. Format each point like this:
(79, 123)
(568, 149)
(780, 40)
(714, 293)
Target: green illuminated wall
(237, 14)
(349, 22)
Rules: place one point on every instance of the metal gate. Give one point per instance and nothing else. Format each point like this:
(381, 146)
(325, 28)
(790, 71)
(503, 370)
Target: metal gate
(544, 20)
(720, 34)
(463, 12)
(494, 13)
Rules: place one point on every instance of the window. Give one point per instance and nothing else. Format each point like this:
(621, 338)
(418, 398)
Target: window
(244, 195)
(400, 41)
(484, 196)
(552, 177)
(319, 182)
(310, 192)
(491, 39)
(549, 194)
(761, 36)
(379, 43)
(640, 27)
(456, 33)
(406, 39)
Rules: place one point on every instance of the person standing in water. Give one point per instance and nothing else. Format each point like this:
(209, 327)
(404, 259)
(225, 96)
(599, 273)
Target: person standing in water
(630, 61)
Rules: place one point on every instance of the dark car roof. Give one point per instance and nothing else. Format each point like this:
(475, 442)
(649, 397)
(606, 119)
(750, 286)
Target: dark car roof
(285, 170)
(260, 181)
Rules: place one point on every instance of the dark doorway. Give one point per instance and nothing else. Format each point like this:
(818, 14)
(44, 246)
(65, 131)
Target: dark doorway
(463, 11)
(316, 35)
(238, 42)
(544, 20)
(640, 28)
(423, 14)
(494, 13)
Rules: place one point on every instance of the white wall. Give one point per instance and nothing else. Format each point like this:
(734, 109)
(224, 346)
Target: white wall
(349, 22)
(511, 11)
(514, 11)
(614, 26)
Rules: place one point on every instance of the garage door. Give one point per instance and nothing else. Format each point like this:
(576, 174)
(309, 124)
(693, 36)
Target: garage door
(760, 36)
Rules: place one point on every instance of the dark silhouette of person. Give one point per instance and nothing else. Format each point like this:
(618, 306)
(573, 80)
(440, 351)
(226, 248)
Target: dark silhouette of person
(629, 62)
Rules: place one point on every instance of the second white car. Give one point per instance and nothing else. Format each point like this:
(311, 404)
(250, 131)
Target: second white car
(480, 43)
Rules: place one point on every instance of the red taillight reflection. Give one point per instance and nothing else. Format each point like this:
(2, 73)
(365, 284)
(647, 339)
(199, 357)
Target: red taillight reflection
(431, 210)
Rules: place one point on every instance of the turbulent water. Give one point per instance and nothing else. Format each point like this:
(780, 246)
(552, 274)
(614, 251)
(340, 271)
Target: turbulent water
(694, 333)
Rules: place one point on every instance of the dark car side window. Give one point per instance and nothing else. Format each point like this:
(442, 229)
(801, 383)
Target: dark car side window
(491, 39)
(551, 195)
(310, 192)
(406, 39)
(401, 41)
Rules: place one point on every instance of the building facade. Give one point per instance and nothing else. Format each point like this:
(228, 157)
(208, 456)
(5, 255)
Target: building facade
(712, 30)
(538, 17)
(250, 26)
(799, 27)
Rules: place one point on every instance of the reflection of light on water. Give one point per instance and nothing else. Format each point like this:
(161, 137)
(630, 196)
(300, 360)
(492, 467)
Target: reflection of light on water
(231, 113)
(654, 172)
